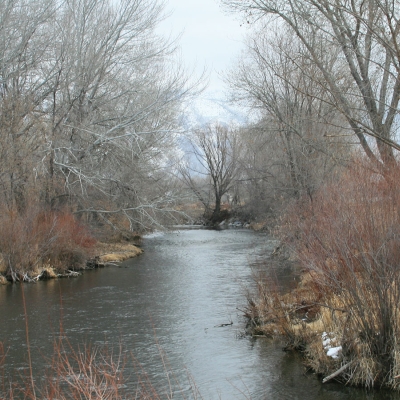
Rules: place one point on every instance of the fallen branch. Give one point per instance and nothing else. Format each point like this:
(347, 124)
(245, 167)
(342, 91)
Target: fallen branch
(336, 373)
(221, 325)
(26, 278)
(331, 308)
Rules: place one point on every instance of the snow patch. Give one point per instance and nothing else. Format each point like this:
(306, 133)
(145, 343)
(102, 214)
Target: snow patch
(328, 343)
(334, 352)
(210, 109)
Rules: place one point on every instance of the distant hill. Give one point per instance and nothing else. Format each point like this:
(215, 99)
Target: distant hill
(211, 108)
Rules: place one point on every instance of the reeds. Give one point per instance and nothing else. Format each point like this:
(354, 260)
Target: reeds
(92, 372)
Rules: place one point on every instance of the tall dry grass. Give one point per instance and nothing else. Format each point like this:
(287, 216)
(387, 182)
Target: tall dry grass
(92, 373)
(347, 241)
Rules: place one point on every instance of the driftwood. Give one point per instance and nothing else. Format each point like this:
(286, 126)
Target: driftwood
(69, 274)
(221, 325)
(336, 373)
(72, 273)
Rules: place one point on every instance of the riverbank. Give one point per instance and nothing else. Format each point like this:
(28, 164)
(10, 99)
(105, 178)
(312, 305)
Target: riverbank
(323, 328)
(344, 315)
(101, 255)
(111, 253)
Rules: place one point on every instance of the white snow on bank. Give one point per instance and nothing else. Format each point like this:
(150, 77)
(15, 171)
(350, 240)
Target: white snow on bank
(334, 352)
(327, 343)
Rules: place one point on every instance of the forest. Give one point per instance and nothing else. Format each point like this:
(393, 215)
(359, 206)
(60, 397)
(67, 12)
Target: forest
(92, 147)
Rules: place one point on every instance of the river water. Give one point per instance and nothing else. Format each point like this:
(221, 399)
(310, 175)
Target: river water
(172, 300)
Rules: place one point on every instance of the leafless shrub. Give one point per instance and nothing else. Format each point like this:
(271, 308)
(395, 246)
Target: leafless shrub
(39, 241)
(348, 241)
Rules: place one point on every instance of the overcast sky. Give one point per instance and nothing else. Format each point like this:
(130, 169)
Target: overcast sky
(210, 37)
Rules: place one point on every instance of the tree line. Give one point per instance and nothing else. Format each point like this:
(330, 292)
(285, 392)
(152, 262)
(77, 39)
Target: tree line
(321, 82)
(322, 79)
(89, 100)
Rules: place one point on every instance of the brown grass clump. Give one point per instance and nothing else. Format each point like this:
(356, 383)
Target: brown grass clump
(258, 226)
(119, 257)
(347, 241)
(114, 252)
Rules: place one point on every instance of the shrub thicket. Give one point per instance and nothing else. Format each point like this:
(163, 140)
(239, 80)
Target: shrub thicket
(347, 241)
(38, 243)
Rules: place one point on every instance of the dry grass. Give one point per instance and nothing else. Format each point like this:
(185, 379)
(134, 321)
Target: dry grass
(130, 252)
(347, 240)
(258, 226)
(117, 257)
(109, 253)
(92, 372)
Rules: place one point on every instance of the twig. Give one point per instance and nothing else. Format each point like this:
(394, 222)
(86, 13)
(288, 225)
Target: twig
(221, 325)
(331, 308)
(28, 342)
(336, 373)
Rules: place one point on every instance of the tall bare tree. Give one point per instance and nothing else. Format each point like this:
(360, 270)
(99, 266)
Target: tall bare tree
(365, 36)
(297, 139)
(90, 97)
(23, 41)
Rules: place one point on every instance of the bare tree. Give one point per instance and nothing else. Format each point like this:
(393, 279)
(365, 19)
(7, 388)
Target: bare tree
(298, 138)
(215, 152)
(365, 36)
(90, 98)
(114, 105)
(22, 45)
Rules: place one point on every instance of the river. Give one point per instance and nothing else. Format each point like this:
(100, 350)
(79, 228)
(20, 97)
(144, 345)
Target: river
(175, 299)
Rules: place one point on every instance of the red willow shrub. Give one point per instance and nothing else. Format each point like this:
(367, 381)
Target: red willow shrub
(97, 373)
(39, 239)
(63, 240)
(348, 239)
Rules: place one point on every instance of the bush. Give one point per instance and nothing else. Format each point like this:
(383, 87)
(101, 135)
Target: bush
(92, 372)
(41, 239)
(348, 239)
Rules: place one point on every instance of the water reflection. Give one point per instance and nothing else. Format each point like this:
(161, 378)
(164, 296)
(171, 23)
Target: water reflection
(176, 296)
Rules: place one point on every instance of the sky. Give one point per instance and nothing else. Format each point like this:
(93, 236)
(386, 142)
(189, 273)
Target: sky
(210, 39)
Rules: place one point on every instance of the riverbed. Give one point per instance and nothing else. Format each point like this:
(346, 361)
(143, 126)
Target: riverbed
(180, 299)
